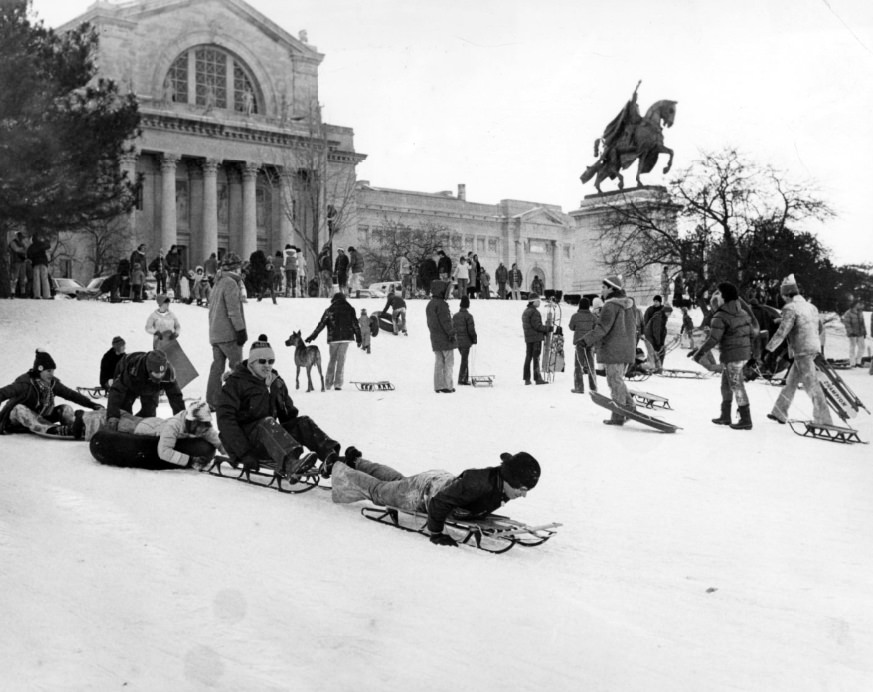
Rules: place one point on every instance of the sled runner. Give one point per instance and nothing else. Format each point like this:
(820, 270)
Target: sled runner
(650, 400)
(381, 386)
(266, 476)
(482, 380)
(839, 363)
(185, 370)
(93, 392)
(49, 436)
(493, 534)
(127, 450)
(819, 431)
(687, 374)
(839, 395)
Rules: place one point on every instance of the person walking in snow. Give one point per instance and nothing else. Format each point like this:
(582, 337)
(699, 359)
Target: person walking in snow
(30, 401)
(581, 323)
(342, 329)
(534, 332)
(443, 340)
(731, 329)
(364, 324)
(227, 325)
(473, 494)
(465, 331)
(800, 325)
(615, 337)
(163, 324)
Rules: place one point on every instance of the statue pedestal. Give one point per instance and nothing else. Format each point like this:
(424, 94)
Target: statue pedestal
(599, 221)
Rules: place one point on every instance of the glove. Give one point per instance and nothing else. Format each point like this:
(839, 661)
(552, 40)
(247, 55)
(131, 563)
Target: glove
(241, 337)
(443, 539)
(353, 454)
(550, 329)
(310, 339)
(111, 424)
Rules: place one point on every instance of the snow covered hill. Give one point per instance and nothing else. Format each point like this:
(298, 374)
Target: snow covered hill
(711, 559)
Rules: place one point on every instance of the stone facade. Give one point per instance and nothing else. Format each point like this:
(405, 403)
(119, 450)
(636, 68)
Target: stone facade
(231, 128)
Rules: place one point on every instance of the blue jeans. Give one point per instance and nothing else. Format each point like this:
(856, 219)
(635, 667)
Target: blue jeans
(443, 367)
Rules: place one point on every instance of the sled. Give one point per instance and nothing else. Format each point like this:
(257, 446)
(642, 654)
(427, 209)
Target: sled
(839, 395)
(839, 363)
(184, 369)
(266, 476)
(493, 533)
(634, 374)
(650, 400)
(482, 380)
(686, 374)
(381, 386)
(93, 392)
(820, 431)
(49, 436)
(127, 450)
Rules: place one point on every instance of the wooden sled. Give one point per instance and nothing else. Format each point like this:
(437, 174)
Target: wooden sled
(267, 477)
(820, 431)
(381, 386)
(93, 392)
(482, 380)
(493, 534)
(686, 374)
(650, 400)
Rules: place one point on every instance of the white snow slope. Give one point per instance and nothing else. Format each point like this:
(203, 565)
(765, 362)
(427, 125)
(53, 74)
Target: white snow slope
(710, 559)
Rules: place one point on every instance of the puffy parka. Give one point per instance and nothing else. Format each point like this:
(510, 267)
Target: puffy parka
(439, 318)
(532, 324)
(340, 320)
(731, 330)
(615, 334)
(465, 328)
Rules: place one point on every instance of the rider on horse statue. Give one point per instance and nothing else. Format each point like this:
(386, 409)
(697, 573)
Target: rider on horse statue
(629, 137)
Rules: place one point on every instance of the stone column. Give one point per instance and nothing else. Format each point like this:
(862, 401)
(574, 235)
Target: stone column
(286, 205)
(128, 165)
(210, 207)
(556, 274)
(168, 200)
(250, 226)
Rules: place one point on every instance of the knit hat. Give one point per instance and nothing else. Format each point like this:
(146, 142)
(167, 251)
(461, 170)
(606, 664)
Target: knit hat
(156, 362)
(532, 296)
(614, 280)
(728, 291)
(160, 299)
(519, 470)
(789, 285)
(199, 411)
(43, 361)
(465, 301)
(117, 340)
(261, 349)
(584, 303)
(231, 261)
(658, 298)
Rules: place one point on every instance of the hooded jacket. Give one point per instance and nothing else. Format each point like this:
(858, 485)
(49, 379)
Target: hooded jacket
(465, 328)
(132, 379)
(226, 316)
(439, 318)
(246, 399)
(341, 322)
(532, 325)
(615, 334)
(24, 390)
(801, 326)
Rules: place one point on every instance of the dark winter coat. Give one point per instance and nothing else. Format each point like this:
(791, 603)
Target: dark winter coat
(341, 322)
(341, 266)
(444, 266)
(650, 312)
(325, 263)
(532, 324)
(24, 390)
(136, 257)
(132, 380)
(501, 275)
(656, 328)
(394, 302)
(244, 400)
(615, 333)
(428, 272)
(439, 319)
(356, 262)
(474, 494)
(731, 329)
(515, 277)
(37, 253)
(581, 323)
(465, 328)
(173, 261)
(108, 363)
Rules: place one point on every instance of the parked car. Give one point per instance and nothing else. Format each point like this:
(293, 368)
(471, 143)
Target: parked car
(94, 288)
(66, 287)
(385, 286)
(368, 293)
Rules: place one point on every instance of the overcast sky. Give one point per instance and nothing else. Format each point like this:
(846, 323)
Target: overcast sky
(508, 97)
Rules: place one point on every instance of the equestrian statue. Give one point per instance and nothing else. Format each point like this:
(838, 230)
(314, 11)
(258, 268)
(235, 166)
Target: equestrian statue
(630, 137)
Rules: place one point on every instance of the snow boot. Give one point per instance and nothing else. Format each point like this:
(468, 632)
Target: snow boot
(615, 420)
(78, 427)
(745, 421)
(725, 417)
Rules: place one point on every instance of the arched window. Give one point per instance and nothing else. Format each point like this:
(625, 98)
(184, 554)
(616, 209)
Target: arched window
(210, 76)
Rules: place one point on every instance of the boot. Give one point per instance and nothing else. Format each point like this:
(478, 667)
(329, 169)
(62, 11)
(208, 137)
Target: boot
(725, 417)
(745, 421)
(78, 427)
(615, 419)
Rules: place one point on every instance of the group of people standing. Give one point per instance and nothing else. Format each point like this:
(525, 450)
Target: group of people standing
(28, 264)
(346, 271)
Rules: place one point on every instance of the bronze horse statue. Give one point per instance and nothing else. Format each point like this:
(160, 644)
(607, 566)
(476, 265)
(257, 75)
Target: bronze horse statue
(629, 138)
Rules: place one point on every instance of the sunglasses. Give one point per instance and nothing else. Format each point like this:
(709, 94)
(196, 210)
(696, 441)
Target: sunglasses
(265, 361)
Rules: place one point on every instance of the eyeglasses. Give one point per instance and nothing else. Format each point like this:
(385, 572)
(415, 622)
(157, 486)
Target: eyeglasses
(265, 361)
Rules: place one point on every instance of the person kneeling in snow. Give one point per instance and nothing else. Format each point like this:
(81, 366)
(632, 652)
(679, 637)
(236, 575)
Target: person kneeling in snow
(31, 401)
(142, 376)
(257, 419)
(474, 494)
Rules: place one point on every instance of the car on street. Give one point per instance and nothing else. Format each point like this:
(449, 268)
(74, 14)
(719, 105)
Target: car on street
(368, 293)
(66, 287)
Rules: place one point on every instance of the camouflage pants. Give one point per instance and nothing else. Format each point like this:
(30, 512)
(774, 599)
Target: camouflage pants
(24, 417)
(732, 383)
(383, 485)
(803, 370)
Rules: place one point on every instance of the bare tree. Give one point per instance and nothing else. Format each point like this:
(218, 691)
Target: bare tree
(108, 240)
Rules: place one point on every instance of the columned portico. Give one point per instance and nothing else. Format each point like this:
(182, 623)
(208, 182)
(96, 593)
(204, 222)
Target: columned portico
(286, 196)
(168, 200)
(128, 165)
(249, 240)
(210, 207)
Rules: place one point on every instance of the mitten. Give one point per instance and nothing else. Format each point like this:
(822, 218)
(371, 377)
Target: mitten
(241, 337)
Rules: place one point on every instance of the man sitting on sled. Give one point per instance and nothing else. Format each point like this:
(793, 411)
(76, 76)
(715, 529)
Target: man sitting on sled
(474, 494)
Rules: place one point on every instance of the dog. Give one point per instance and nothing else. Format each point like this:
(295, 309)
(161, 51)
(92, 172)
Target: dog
(305, 357)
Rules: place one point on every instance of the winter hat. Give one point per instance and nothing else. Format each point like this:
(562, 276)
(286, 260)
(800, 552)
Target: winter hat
(532, 296)
(465, 301)
(261, 349)
(43, 361)
(658, 298)
(614, 280)
(728, 291)
(584, 304)
(117, 340)
(156, 362)
(231, 261)
(519, 470)
(160, 300)
(789, 285)
(199, 411)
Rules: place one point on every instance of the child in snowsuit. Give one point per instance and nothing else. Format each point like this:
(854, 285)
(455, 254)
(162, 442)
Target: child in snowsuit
(581, 322)
(465, 331)
(162, 324)
(364, 321)
(687, 329)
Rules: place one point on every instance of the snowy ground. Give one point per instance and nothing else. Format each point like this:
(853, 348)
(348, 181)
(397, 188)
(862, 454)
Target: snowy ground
(711, 559)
